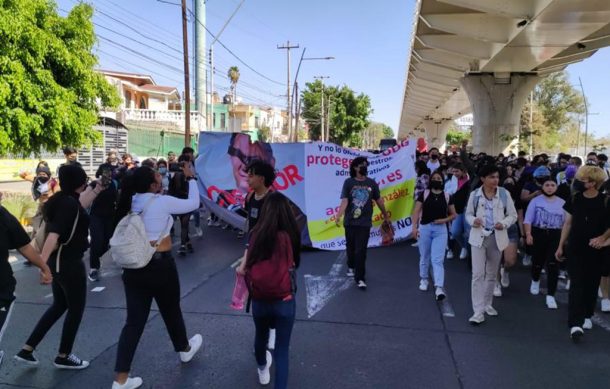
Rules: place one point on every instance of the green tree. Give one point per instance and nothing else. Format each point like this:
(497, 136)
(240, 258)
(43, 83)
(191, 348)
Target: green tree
(374, 133)
(233, 75)
(49, 92)
(345, 112)
(455, 137)
(264, 134)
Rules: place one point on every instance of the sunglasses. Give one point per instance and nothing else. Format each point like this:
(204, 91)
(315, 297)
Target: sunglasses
(245, 159)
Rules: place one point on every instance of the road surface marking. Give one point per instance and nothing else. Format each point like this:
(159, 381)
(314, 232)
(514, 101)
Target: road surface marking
(321, 289)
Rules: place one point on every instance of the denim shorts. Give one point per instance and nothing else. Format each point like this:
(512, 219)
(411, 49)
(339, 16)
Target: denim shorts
(513, 233)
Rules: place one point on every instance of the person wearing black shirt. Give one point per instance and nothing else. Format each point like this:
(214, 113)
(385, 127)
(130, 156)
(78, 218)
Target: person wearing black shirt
(102, 215)
(586, 228)
(459, 228)
(13, 236)
(433, 210)
(67, 225)
(357, 197)
(179, 187)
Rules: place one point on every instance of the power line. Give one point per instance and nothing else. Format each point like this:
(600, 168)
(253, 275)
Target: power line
(138, 32)
(232, 53)
(138, 66)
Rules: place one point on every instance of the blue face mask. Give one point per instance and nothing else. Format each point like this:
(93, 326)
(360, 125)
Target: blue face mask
(163, 170)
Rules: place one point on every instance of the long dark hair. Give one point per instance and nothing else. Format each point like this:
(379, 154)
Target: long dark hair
(137, 182)
(72, 177)
(275, 216)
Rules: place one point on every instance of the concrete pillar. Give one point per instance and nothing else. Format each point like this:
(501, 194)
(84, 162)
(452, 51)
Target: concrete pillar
(497, 101)
(436, 132)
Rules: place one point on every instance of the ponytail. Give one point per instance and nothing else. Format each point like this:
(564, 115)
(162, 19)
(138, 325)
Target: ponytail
(125, 196)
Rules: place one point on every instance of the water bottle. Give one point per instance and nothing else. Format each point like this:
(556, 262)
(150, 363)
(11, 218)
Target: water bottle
(240, 292)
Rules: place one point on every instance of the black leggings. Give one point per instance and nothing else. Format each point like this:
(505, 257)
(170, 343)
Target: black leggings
(158, 280)
(69, 294)
(546, 242)
(357, 240)
(584, 268)
(184, 228)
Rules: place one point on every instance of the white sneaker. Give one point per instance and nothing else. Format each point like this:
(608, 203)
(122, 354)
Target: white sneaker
(491, 311)
(563, 275)
(131, 383)
(350, 272)
(195, 343)
(415, 244)
(568, 284)
(449, 254)
(576, 333)
(498, 290)
(605, 305)
(271, 342)
(464, 253)
(199, 231)
(527, 260)
(551, 303)
(504, 278)
(423, 285)
(588, 324)
(535, 288)
(361, 285)
(599, 293)
(264, 377)
(439, 293)
(477, 319)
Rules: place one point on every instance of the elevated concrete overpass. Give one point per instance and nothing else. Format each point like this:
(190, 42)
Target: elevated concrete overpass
(486, 56)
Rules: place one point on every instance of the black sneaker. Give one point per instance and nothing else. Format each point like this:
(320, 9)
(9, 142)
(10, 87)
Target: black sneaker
(182, 250)
(26, 357)
(71, 362)
(94, 275)
(189, 247)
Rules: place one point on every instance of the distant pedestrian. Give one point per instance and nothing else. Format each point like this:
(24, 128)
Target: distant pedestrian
(13, 236)
(490, 212)
(273, 257)
(157, 280)
(67, 226)
(586, 227)
(433, 210)
(357, 197)
(179, 187)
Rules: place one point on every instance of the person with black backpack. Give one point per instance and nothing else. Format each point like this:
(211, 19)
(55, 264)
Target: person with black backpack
(273, 256)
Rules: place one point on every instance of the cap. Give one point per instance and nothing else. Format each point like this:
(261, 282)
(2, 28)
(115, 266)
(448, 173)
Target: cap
(542, 171)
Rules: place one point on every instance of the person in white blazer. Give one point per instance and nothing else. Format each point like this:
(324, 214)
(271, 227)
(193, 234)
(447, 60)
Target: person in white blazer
(490, 211)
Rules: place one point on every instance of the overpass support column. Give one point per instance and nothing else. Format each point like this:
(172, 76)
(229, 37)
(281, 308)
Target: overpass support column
(436, 132)
(497, 101)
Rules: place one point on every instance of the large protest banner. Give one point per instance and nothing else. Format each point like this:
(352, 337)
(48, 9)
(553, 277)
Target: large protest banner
(311, 175)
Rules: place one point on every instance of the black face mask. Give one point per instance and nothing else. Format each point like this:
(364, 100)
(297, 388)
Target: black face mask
(438, 185)
(43, 180)
(578, 185)
(363, 170)
(434, 157)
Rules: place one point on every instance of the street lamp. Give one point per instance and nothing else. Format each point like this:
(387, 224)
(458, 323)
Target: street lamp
(296, 85)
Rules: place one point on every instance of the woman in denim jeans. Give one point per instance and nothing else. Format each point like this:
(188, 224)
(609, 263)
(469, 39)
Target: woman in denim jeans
(272, 256)
(433, 210)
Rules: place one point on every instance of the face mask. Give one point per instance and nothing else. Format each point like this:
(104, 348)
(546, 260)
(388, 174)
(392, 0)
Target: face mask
(162, 170)
(438, 185)
(42, 180)
(363, 170)
(434, 157)
(578, 185)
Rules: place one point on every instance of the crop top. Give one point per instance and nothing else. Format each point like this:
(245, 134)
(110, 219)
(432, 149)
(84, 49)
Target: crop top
(158, 219)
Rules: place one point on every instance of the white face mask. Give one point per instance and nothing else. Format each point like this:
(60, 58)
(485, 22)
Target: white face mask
(43, 188)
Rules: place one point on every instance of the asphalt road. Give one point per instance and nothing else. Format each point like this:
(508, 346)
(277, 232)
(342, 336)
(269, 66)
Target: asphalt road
(391, 336)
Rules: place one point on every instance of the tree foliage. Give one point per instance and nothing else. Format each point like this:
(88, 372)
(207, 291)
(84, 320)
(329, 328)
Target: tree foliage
(49, 92)
(233, 76)
(455, 137)
(374, 133)
(347, 113)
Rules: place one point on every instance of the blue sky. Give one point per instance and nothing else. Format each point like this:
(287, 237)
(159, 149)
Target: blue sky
(370, 41)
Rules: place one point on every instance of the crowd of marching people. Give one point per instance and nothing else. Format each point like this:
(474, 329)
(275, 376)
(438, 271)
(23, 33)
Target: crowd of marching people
(490, 208)
(485, 210)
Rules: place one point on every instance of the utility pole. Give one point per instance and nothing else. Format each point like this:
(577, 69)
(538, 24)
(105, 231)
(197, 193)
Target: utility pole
(582, 89)
(201, 93)
(187, 93)
(531, 124)
(322, 111)
(287, 47)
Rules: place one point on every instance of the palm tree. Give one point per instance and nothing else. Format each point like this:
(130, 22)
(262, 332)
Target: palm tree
(233, 75)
